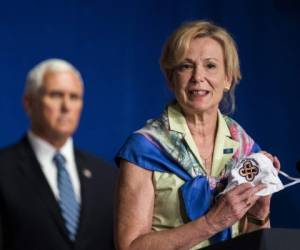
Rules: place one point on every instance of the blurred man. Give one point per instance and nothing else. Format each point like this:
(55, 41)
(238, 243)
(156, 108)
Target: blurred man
(53, 196)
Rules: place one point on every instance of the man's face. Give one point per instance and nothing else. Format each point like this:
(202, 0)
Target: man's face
(55, 110)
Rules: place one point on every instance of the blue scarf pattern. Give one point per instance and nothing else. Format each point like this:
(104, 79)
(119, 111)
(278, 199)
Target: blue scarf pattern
(156, 148)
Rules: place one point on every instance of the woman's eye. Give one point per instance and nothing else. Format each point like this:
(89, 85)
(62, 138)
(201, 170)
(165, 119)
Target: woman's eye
(211, 66)
(185, 66)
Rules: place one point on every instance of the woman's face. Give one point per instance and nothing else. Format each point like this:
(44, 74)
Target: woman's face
(199, 80)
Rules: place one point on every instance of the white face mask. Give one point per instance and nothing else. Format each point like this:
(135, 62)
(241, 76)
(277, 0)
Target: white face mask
(255, 169)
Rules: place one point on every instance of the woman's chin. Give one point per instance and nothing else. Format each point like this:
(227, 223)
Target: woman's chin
(199, 107)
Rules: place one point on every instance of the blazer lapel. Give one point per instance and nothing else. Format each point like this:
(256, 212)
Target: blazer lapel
(31, 169)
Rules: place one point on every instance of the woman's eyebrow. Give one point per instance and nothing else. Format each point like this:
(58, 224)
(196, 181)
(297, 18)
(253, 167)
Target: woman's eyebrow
(205, 59)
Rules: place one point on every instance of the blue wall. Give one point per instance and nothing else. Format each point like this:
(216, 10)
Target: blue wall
(116, 45)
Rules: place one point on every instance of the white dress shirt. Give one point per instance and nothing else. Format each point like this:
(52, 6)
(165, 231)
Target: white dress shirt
(45, 152)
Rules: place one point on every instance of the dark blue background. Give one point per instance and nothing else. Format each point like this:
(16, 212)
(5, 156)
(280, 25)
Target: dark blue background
(116, 45)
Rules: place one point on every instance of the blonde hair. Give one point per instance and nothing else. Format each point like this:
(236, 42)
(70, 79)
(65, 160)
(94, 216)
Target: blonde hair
(177, 45)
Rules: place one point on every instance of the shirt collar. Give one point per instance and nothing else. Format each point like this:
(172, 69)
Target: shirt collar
(224, 148)
(42, 147)
(177, 121)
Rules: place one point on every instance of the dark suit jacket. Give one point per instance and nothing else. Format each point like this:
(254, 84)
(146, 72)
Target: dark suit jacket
(30, 218)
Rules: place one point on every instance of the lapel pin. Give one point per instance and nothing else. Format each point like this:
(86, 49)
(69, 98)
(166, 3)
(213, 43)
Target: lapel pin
(87, 173)
(228, 150)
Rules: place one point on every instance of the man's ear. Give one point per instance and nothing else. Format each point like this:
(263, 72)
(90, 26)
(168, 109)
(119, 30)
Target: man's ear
(28, 104)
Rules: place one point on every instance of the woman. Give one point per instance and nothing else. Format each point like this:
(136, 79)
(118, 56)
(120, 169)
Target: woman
(172, 169)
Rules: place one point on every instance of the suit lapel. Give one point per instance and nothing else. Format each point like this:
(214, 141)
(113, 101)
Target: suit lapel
(31, 169)
(84, 174)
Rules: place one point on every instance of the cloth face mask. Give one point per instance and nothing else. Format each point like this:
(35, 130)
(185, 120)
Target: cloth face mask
(255, 169)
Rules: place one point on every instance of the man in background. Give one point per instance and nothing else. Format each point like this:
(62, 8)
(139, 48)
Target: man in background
(53, 196)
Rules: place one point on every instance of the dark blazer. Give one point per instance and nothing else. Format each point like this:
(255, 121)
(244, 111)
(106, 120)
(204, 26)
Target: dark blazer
(29, 213)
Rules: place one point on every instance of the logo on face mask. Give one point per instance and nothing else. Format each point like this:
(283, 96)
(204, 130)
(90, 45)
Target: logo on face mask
(249, 170)
(257, 168)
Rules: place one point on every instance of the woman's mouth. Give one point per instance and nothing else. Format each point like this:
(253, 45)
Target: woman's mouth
(200, 93)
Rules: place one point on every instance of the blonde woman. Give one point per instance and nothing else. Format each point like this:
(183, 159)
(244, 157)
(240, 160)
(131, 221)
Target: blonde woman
(172, 168)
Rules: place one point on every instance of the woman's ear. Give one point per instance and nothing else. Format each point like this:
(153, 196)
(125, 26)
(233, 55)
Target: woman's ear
(170, 79)
(227, 84)
(171, 85)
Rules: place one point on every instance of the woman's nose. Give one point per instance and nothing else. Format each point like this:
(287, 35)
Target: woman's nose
(198, 75)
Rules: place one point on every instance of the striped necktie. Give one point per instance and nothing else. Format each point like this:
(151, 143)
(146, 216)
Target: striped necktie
(69, 206)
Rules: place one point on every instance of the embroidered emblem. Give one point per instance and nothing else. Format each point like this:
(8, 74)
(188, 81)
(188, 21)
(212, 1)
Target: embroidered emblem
(249, 170)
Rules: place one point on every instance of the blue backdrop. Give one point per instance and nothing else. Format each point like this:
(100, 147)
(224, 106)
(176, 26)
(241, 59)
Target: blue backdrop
(116, 45)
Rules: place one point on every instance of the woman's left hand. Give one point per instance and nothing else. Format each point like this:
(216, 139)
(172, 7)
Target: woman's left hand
(261, 208)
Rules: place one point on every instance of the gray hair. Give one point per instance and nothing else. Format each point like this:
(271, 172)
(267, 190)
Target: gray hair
(35, 76)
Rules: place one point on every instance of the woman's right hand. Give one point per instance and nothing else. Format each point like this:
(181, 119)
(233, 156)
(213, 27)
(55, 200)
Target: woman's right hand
(232, 206)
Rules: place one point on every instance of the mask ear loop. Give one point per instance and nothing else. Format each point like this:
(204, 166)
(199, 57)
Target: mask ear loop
(293, 179)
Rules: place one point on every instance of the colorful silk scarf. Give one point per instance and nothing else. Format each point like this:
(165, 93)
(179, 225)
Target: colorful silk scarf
(157, 148)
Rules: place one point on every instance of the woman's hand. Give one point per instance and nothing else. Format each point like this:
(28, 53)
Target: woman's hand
(261, 208)
(232, 206)
(134, 215)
